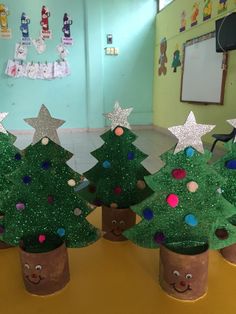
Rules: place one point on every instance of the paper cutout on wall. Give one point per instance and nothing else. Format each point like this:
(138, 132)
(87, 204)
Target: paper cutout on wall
(182, 21)
(21, 51)
(46, 33)
(5, 32)
(39, 44)
(195, 13)
(63, 52)
(163, 58)
(24, 27)
(42, 71)
(67, 22)
(222, 6)
(176, 59)
(207, 10)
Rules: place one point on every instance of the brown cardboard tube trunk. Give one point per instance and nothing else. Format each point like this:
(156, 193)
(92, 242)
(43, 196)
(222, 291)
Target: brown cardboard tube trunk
(183, 276)
(115, 221)
(229, 253)
(45, 273)
(4, 245)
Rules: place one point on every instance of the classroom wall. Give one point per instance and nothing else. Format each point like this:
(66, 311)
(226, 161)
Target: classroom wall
(168, 110)
(96, 80)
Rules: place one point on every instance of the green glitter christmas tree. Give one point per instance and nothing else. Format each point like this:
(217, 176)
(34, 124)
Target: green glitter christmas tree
(186, 211)
(117, 178)
(226, 167)
(9, 161)
(42, 202)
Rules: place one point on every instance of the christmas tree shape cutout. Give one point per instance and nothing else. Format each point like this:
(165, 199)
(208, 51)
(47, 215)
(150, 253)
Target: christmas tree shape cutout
(186, 211)
(9, 161)
(117, 180)
(42, 202)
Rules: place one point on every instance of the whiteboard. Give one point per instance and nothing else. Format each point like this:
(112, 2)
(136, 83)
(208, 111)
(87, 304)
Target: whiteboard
(203, 77)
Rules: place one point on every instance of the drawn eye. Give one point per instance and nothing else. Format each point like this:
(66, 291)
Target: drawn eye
(27, 266)
(38, 267)
(114, 222)
(176, 273)
(189, 276)
(122, 222)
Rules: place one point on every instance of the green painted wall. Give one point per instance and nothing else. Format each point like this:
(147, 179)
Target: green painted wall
(168, 110)
(96, 80)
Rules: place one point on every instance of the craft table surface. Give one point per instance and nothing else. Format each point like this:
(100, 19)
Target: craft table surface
(114, 278)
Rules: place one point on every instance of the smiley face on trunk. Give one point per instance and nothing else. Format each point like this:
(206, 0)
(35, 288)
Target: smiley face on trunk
(33, 273)
(181, 282)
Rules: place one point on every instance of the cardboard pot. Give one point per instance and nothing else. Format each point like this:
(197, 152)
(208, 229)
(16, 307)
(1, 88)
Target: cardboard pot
(183, 276)
(4, 245)
(115, 221)
(229, 253)
(47, 272)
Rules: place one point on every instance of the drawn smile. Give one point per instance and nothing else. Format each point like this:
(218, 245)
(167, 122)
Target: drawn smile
(34, 282)
(115, 233)
(180, 291)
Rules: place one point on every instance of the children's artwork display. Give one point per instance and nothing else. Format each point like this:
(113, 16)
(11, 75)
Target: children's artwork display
(21, 51)
(183, 21)
(46, 33)
(39, 44)
(37, 71)
(207, 10)
(24, 27)
(176, 59)
(67, 22)
(195, 13)
(63, 52)
(5, 32)
(222, 6)
(163, 57)
(186, 215)
(117, 180)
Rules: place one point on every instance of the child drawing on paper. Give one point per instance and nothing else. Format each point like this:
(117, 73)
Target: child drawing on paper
(176, 59)
(67, 22)
(45, 18)
(25, 21)
(222, 6)
(207, 10)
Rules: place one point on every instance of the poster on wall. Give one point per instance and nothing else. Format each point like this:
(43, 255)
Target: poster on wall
(67, 22)
(163, 57)
(176, 59)
(183, 21)
(24, 28)
(207, 10)
(222, 7)
(46, 33)
(63, 52)
(5, 32)
(39, 45)
(195, 13)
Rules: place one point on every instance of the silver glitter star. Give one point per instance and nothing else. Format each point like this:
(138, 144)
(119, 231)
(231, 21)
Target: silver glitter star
(233, 123)
(3, 116)
(119, 116)
(190, 134)
(45, 126)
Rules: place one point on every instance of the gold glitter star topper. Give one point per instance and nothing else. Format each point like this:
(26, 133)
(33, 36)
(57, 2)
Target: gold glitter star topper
(119, 116)
(45, 126)
(233, 123)
(2, 117)
(190, 134)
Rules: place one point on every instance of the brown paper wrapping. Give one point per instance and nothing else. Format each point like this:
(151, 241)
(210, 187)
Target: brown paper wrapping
(183, 276)
(45, 273)
(115, 221)
(229, 253)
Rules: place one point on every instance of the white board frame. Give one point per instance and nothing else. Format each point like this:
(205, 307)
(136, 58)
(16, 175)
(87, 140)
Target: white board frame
(203, 72)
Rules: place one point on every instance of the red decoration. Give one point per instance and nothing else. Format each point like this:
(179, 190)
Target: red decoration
(50, 199)
(42, 238)
(119, 131)
(117, 190)
(179, 174)
(172, 200)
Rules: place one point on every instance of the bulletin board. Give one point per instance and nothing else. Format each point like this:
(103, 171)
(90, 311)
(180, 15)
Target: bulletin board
(204, 71)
